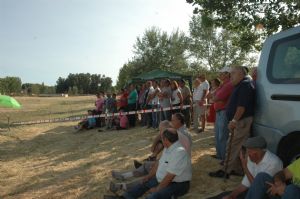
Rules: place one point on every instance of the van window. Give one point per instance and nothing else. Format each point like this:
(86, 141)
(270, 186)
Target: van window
(284, 62)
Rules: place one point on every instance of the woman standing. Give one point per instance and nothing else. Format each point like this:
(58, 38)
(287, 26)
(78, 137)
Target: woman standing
(177, 99)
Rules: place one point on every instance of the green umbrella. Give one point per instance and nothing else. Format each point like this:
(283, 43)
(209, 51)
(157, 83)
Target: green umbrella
(8, 102)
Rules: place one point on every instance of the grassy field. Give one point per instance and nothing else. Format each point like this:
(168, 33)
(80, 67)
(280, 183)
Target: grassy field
(39, 108)
(51, 161)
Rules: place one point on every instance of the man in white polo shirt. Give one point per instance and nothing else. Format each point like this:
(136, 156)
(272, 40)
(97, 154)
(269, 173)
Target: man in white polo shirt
(201, 89)
(256, 160)
(170, 176)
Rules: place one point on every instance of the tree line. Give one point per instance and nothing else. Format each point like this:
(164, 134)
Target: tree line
(84, 83)
(74, 84)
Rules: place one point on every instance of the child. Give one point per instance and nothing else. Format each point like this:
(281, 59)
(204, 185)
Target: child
(122, 121)
(88, 123)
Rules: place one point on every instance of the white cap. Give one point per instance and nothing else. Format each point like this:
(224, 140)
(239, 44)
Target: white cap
(225, 69)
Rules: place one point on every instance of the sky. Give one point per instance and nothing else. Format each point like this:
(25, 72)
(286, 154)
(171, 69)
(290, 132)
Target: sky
(41, 40)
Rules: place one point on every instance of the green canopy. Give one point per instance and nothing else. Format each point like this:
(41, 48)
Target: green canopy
(8, 102)
(160, 74)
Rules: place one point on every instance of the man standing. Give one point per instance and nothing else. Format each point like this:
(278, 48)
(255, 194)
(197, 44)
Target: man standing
(239, 112)
(220, 99)
(155, 104)
(199, 102)
(148, 103)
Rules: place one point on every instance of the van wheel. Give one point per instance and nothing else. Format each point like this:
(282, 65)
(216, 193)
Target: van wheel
(289, 148)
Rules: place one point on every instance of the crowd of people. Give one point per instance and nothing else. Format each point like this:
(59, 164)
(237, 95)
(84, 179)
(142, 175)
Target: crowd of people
(228, 102)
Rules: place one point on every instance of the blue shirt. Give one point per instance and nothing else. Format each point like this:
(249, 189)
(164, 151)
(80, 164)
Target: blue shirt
(91, 122)
(242, 95)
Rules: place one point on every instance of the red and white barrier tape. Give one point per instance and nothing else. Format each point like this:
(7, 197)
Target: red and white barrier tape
(104, 115)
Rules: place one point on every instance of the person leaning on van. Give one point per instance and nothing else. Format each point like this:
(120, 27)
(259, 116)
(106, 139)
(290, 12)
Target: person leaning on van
(239, 112)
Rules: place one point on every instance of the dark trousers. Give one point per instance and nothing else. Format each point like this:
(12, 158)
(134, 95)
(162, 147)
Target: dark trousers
(187, 116)
(173, 189)
(132, 117)
(149, 116)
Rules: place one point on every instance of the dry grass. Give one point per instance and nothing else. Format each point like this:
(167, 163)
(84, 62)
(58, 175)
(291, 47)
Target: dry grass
(50, 161)
(37, 108)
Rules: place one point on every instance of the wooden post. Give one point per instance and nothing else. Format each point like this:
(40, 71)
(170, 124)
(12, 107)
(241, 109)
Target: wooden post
(8, 123)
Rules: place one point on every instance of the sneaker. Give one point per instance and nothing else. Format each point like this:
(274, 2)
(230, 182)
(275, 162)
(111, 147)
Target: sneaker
(137, 164)
(219, 174)
(117, 175)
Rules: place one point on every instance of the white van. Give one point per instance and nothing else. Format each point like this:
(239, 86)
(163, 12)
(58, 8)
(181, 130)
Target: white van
(277, 116)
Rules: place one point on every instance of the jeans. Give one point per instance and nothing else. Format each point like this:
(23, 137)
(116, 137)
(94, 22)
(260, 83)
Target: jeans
(148, 116)
(221, 133)
(258, 189)
(165, 115)
(155, 117)
(173, 189)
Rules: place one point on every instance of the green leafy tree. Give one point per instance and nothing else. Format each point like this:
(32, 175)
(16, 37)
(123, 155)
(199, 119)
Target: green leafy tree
(214, 48)
(253, 20)
(83, 83)
(10, 85)
(156, 50)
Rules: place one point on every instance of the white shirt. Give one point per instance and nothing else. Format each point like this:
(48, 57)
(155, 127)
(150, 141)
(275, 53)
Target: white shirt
(175, 160)
(175, 98)
(166, 101)
(185, 139)
(151, 91)
(270, 164)
(198, 91)
(155, 100)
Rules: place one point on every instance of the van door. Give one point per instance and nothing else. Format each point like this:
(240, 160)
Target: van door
(277, 114)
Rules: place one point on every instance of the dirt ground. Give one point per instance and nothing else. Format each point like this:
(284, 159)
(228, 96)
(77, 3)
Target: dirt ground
(51, 161)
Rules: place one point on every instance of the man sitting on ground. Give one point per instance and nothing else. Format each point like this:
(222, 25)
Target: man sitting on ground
(257, 159)
(263, 184)
(169, 177)
(178, 122)
(141, 170)
(184, 137)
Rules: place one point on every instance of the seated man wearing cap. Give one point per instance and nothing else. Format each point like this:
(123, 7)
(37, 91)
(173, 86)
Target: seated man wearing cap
(257, 159)
(276, 186)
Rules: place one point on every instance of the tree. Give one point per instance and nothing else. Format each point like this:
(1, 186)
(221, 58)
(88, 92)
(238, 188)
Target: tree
(10, 85)
(213, 48)
(156, 50)
(83, 83)
(253, 20)
(61, 85)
